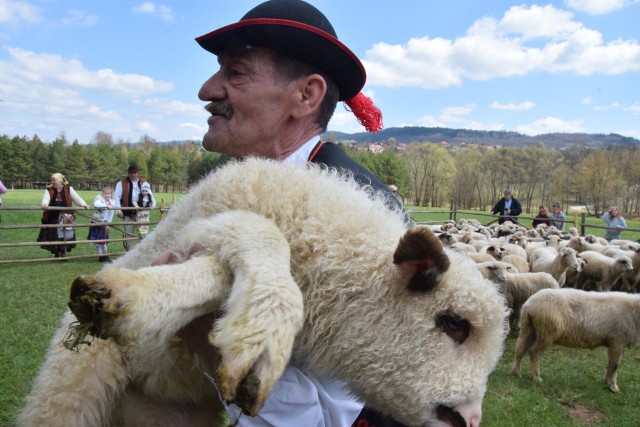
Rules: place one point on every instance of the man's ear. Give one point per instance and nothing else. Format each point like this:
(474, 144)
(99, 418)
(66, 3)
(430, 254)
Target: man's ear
(309, 94)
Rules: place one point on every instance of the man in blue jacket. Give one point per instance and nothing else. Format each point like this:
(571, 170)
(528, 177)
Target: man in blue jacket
(508, 208)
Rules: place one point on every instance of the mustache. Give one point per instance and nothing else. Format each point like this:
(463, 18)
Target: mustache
(222, 108)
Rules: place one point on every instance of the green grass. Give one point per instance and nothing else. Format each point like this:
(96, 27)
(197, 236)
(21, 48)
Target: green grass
(34, 296)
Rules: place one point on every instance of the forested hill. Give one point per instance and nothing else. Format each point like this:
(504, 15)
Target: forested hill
(460, 136)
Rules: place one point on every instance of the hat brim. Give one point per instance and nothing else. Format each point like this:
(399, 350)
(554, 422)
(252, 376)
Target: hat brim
(298, 40)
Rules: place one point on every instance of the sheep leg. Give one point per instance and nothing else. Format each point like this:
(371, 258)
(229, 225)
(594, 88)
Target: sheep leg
(246, 262)
(526, 340)
(615, 353)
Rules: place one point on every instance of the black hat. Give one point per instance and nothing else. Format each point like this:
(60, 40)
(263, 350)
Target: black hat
(297, 29)
(133, 168)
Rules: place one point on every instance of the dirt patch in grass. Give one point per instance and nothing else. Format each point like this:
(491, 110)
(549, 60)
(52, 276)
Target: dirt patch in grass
(583, 413)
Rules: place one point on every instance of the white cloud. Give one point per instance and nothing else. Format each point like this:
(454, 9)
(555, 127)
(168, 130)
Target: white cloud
(455, 117)
(172, 107)
(612, 106)
(71, 73)
(588, 100)
(634, 109)
(597, 7)
(46, 94)
(523, 106)
(537, 21)
(525, 40)
(150, 8)
(14, 12)
(551, 125)
(80, 18)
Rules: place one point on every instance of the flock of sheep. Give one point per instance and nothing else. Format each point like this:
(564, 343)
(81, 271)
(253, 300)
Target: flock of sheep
(562, 288)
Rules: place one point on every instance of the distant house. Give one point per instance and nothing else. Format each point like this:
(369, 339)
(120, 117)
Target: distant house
(444, 144)
(402, 146)
(376, 147)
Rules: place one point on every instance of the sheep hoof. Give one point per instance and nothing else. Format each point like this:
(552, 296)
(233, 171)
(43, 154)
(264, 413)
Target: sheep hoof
(516, 372)
(538, 380)
(614, 388)
(87, 302)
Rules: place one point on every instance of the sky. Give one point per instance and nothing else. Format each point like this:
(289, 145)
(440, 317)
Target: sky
(132, 68)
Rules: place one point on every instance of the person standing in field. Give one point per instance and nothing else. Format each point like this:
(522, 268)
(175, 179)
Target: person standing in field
(557, 216)
(145, 200)
(59, 194)
(104, 203)
(126, 193)
(615, 223)
(508, 208)
(282, 73)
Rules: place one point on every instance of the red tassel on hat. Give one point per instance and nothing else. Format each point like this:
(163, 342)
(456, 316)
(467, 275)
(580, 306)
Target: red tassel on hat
(368, 115)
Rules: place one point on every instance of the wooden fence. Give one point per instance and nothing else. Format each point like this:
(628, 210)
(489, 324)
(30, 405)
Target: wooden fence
(83, 221)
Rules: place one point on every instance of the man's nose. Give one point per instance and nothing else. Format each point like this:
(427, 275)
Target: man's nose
(212, 89)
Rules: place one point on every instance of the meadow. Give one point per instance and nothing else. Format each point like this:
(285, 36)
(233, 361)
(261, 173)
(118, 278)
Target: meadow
(34, 297)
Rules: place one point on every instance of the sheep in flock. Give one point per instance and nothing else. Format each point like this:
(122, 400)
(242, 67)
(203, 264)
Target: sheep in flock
(581, 245)
(600, 271)
(555, 262)
(302, 265)
(520, 264)
(630, 279)
(496, 269)
(590, 238)
(578, 319)
(513, 249)
(518, 287)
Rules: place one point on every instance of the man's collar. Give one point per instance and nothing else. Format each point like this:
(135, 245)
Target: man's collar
(301, 155)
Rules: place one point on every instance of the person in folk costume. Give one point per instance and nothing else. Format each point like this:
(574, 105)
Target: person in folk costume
(145, 200)
(59, 194)
(104, 203)
(282, 72)
(126, 193)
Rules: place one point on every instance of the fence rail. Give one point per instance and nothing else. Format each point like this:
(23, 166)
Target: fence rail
(417, 215)
(80, 216)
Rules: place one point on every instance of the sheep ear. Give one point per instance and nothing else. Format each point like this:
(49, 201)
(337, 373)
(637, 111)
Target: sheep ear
(422, 259)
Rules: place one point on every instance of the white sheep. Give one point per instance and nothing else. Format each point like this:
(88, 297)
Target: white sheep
(581, 245)
(600, 271)
(555, 262)
(496, 269)
(513, 249)
(303, 262)
(578, 319)
(518, 287)
(629, 280)
(520, 264)
(591, 238)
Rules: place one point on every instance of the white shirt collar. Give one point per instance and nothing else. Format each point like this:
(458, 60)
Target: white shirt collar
(301, 155)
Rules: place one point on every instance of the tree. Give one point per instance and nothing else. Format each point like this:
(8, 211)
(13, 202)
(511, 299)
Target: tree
(431, 170)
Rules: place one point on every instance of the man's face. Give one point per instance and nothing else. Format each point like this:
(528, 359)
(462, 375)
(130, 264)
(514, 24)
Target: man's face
(507, 196)
(133, 175)
(250, 108)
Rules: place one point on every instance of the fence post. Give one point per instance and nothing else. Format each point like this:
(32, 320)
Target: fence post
(583, 223)
(451, 211)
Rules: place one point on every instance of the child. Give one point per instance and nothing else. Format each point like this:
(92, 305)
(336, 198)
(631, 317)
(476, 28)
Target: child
(104, 204)
(145, 200)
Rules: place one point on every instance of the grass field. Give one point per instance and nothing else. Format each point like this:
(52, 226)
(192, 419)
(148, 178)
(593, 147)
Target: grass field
(34, 297)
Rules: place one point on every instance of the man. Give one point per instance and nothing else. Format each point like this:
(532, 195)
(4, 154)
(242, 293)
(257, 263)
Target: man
(282, 72)
(126, 193)
(508, 208)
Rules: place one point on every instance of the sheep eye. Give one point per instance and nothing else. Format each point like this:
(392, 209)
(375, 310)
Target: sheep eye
(454, 326)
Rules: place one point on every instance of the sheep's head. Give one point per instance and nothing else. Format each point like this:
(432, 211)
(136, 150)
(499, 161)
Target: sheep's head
(436, 336)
